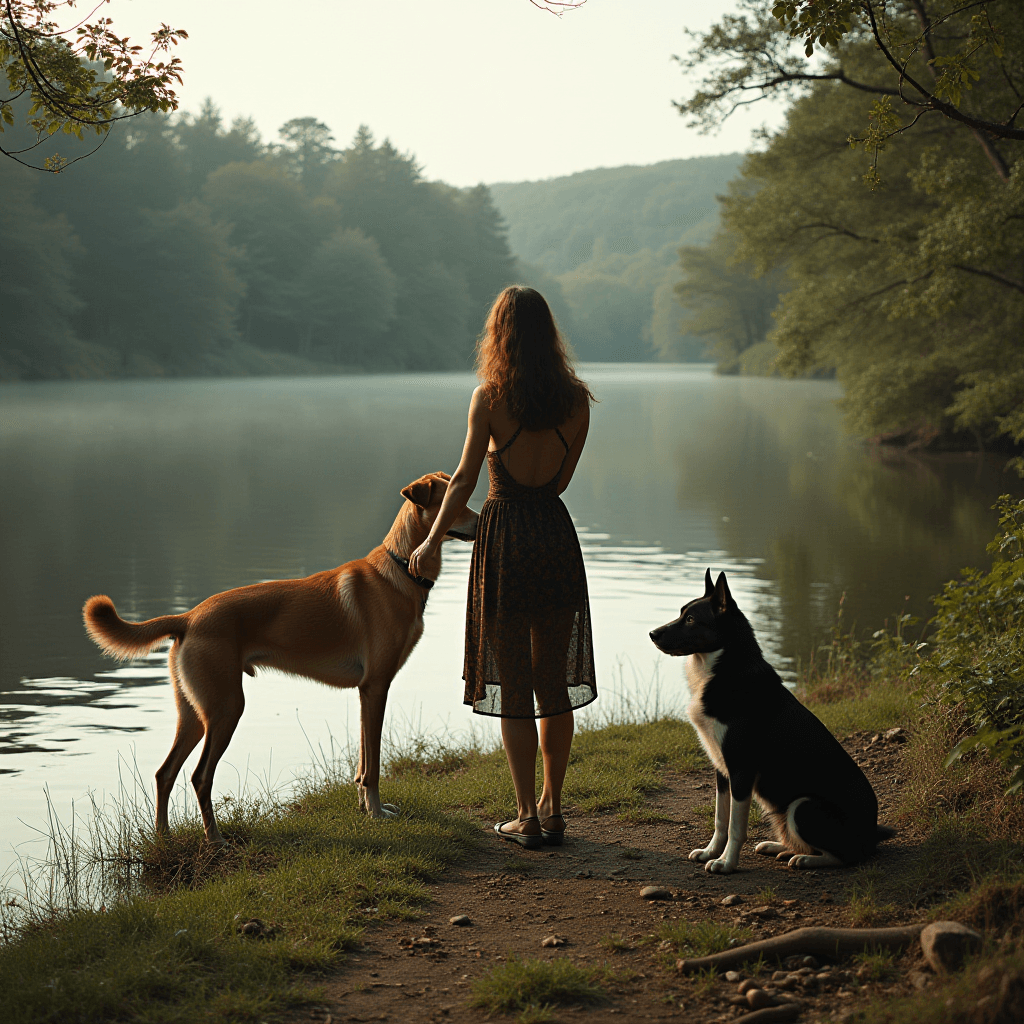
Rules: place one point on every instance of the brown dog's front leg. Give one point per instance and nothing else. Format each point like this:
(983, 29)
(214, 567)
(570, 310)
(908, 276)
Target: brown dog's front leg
(373, 695)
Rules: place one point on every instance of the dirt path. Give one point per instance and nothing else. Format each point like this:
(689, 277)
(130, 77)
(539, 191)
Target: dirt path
(588, 890)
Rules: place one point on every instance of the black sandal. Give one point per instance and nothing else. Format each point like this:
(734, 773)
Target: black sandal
(530, 842)
(552, 838)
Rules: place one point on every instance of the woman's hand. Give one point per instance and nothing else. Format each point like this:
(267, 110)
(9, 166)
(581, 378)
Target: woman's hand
(426, 551)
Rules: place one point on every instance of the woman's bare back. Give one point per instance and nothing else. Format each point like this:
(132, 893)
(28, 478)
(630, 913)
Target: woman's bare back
(536, 455)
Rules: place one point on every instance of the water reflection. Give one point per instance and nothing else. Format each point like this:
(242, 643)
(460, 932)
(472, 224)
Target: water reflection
(162, 493)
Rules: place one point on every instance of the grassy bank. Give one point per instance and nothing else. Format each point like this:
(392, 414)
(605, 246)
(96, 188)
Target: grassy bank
(244, 934)
(311, 872)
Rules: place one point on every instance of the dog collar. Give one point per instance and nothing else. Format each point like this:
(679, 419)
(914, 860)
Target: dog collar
(420, 581)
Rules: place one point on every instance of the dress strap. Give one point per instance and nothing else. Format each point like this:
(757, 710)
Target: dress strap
(498, 451)
(562, 439)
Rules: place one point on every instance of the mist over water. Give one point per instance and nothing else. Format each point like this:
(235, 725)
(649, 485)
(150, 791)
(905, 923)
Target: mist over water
(160, 493)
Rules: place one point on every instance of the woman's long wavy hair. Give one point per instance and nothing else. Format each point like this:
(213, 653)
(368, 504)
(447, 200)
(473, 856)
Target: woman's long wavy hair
(522, 360)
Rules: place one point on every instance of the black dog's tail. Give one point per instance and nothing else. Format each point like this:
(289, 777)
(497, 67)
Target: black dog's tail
(883, 832)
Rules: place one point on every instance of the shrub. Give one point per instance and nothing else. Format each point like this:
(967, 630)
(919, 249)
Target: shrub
(978, 657)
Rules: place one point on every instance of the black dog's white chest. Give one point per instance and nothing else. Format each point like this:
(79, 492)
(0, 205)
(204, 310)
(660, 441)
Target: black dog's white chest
(699, 673)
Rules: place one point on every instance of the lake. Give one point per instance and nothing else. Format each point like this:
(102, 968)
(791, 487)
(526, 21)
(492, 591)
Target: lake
(160, 493)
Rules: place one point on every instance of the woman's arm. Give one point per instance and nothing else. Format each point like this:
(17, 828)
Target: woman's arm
(463, 482)
(572, 456)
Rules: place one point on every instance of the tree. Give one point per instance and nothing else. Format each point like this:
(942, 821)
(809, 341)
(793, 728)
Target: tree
(346, 299)
(962, 60)
(274, 225)
(204, 144)
(911, 292)
(178, 294)
(611, 296)
(81, 78)
(447, 248)
(307, 150)
(36, 293)
(728, 305)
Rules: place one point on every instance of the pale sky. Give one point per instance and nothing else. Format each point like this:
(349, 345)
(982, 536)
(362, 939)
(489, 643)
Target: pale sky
(478, 90)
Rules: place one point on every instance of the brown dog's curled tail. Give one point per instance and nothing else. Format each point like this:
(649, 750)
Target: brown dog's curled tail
(122, 639)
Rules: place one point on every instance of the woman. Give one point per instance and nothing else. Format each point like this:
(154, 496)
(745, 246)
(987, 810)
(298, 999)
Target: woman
(529, 653)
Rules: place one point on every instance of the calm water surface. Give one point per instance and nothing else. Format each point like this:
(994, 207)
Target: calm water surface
(162, 493)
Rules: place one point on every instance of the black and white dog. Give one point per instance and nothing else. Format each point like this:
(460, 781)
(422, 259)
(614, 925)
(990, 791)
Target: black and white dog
(764, 742)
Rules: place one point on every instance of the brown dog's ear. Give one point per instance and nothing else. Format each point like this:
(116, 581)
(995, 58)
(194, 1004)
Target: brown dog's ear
(419, 491)
(709, 587)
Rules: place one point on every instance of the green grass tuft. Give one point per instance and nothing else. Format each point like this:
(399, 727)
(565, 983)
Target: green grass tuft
(520, 985)
(701, 938)
(614, 942)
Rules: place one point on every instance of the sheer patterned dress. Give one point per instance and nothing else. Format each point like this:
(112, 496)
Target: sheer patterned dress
(529, 650)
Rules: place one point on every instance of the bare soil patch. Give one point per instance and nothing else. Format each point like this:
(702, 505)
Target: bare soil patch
(589, 890)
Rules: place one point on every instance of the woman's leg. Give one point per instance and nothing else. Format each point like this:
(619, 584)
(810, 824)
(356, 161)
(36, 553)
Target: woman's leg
(555, 744)
(519, 736)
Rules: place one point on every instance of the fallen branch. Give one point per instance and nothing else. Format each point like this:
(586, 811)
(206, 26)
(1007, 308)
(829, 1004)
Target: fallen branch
(788, 1011)
(830, 942)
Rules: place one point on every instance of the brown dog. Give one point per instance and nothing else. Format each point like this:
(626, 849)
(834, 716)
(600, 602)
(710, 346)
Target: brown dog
(351, 626)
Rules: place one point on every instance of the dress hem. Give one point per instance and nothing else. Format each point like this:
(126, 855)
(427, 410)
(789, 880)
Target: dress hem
(525, 718)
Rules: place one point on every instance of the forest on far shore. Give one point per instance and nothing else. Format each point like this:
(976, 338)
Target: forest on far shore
(186, 247)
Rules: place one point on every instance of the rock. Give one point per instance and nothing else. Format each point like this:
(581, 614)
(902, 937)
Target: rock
(897, 735)
(764, 912)
(732, 900)
(809, 961)
(946, 944)
(460, 920)
(738, 1001)
(779, 975)
(746, 986)
(758, 999)
(655, 892)
(552, 940)
(733, 976)
(920, 980)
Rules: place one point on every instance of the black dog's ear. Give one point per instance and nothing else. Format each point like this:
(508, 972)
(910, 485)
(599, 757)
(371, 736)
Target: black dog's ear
(723, 599)
(709, 587)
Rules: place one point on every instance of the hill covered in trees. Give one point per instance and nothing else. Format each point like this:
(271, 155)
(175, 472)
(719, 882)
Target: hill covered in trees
(609, 238)
(186, 247)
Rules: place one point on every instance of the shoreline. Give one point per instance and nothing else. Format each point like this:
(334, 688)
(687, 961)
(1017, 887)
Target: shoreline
(341, 903)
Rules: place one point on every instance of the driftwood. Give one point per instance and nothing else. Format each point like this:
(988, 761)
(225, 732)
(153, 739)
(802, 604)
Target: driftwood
(787, 1011)
(830, 942)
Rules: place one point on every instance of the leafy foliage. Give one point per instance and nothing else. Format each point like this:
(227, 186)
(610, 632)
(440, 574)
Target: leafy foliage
(80, 78)
(910, 292)
(979, 640)
(728, 304)
(930, 52)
